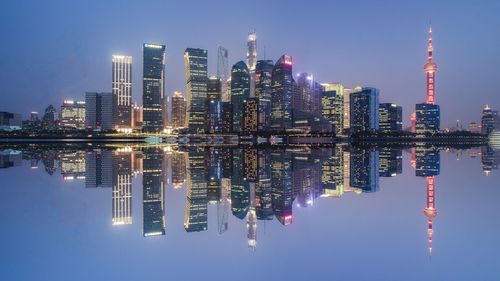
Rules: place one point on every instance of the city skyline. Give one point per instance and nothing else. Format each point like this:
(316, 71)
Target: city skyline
(404, 41)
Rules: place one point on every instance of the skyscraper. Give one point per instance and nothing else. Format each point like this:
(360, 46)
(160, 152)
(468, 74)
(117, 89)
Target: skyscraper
(153, 193)
(281, 97)
(153, 88)
(195, 217)
(223, 73)
(214, 105)
(332, 105)
(427, 117)
(72, 114)
(364, 106)
(364, 169)
(489, 120)
(99, 111)
(122, 91)
(252, 60)
(195, 62)
(390, 162)
(250, 115)
(263, 91)
(122, 187)
(178, 110)
(240, 91)
(390, 117)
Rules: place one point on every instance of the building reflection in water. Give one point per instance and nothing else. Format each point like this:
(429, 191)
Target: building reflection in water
(251, 184)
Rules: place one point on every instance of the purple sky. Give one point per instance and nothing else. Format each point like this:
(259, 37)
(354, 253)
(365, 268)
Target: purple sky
(53, 50)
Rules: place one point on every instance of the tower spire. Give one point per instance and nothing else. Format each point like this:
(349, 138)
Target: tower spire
(430, 69)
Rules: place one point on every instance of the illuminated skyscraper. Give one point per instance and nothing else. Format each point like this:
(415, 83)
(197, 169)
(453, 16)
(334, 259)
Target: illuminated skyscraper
(223, 73)
(390, 117)
(281, 97)
(252, 60)
(250, 115)
(195, 61)
(122, 187)
(178, 110)
(214, 105)
(364, 169)
(122, 91)
(332, 105)
(428, 114)
(281, 184)
(72, 114)
(364, 106)
(179, 160)
(99, 113)
(390, 162)
(307, 95)
(153, 88)
(240, 91)
(153, 193)
(347, 105)
(489, 120)
(263, 91)
(195, 217)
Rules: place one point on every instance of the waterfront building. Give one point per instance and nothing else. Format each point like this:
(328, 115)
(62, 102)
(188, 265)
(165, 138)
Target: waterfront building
(153, 193)
(99, 113)
(364, 169)
(489, 120)
(227, 117)
(427, 118)
(153, 88)
(240, 91)
(250, 115)
(332, 106)
(195, 218)
(195, 62)
(263, 91)
(252, 60)
(72, 114)
(390, 162)
(178, 110)
(390, 117)
(122, 92)
(364, 107)
(281, 97)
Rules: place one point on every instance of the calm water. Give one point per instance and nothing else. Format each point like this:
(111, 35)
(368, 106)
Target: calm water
(167, 213)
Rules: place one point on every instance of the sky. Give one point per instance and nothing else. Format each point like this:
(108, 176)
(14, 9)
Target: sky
(53, 50)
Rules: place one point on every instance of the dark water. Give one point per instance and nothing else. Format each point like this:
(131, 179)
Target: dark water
(167, 213)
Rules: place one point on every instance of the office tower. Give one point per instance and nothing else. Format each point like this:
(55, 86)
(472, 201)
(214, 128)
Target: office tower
(307, 95)
(214, 117)
(364, 107)
(223, 73)
(72, 114)
(263, 188)
(223, 206)
(153, 193)
(240, 188)
(281, 184)
(332, 174)
(250, 115)
(214, 88)
(195, 217)
(427, 118)
(72, 165)
(227, 117)
(34, 116)
(347, 105)
(489, 159)
(214, 175)
(122, 188)
(390, 117)
(50, 114)
(10, 121)
(252, 60)
(427, 115)
(179, 161)
(195, 61)
(240, 91)
(390, 162)
(364, 169)
(332, 105)
(153, 88)
(99, 169)
(489, 120)
(178, 110)
(137, 116)
(122, 92)
(214, 105)
(263, 91)
(99, 112)
(281, 98)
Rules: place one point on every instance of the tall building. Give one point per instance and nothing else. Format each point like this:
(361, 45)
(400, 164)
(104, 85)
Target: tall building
(214, 88)
(263, 91)
(427, 115)
(307, 95)
(122, 91)
(364, 169)
(427, 118)
(390, 117)
(153, 88)
(227, 117)
(122, 188)
(240, 91)
(195, 61)
(347, 105)
(178, 110)
(10, 121)
(252, 60)
(153, 193)
(214, 105)
(137, 116)
(250, 115)
(281, 97)
(99, 112)
(332, 105)
(223, 73)
(390, 162)
(364, 106)
(72, 114)
(196, 217)
(99, 169)
(489, 120)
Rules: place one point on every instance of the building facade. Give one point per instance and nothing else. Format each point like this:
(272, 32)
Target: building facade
(122, 91)
(72, 114)
(427, 118)
(390, 117)
(364, 106)
(153, 88)
(195, 62)
(99, 113)
(240, 91)
(332, 106)
(263, 91)
(282, 92)
(178, 110)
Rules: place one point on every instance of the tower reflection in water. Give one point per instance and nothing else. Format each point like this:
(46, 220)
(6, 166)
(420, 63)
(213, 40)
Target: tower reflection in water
(251, 184)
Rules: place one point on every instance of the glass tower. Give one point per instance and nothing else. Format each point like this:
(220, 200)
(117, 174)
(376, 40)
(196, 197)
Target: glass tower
(122, 91)
(240, 91)
(153, 87)
(281, 97)
(195, 62)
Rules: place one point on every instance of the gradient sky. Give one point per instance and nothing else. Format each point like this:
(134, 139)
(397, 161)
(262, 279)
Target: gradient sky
(51, 50)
